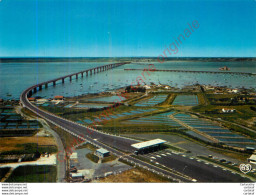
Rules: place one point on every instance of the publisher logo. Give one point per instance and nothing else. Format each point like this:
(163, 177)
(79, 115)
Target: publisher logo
(245, 168)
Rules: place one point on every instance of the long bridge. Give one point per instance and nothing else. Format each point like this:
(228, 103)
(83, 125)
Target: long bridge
(121, 146)
(87, 72)
(193, 71)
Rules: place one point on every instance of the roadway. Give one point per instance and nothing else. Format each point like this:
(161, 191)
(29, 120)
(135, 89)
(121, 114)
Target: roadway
(194, 168)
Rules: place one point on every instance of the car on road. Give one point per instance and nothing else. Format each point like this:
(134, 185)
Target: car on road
(222, 160)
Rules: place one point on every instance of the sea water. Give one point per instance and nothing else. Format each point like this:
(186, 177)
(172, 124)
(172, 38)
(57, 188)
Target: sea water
(16, 77)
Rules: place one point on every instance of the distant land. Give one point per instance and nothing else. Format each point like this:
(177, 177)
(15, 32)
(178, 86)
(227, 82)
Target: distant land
(110, 59)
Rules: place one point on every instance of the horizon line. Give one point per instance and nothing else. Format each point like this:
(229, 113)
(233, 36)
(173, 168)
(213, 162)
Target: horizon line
(5, 57)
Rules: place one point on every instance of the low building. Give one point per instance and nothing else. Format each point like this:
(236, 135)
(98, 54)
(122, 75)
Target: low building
(76, 176)
(147, 87)
(41, 100)
(235, 90)
(148, 146)
(225, 110)
(73, 155)
(252, 159)
(32, 99)
(224, 68)
(58, 97)
(102, 153)
(209, 87)
(250, 149)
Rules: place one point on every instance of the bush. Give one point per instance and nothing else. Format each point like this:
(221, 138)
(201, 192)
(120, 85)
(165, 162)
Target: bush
(92, 157)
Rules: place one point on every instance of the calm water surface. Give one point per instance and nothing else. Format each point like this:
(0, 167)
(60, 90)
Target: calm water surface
(15, 77)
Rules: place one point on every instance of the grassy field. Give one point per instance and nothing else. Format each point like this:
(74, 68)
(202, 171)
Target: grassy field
(108, 159)
(88, 146)
(34, 174)
(244, 114)
(242, 111)
(202, 99)
(67, 139)
(18, 143)
(240, 156)
(31, 148)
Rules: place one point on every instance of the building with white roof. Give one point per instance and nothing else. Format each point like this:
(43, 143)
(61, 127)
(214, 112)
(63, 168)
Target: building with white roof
(102, 152)
(148, 146)
(76, 175)
(252, 159)
(73, 155)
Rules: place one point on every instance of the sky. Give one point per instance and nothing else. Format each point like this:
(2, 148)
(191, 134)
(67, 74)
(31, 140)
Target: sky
(115, 28)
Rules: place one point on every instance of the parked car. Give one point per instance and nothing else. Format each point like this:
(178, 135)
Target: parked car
(222, 160)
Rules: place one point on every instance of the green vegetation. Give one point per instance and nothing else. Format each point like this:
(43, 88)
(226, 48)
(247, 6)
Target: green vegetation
(231, 99)
(3, 172)
(17, 133)
(243, 111)
(67, 139)
(30, 148)
(108, 159)
(92, 157)
(237, 155)
(34, 174)
(88, 146)
(202, 99)
(170, 99)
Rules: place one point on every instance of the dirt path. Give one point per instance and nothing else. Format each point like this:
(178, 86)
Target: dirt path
(51, 160)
